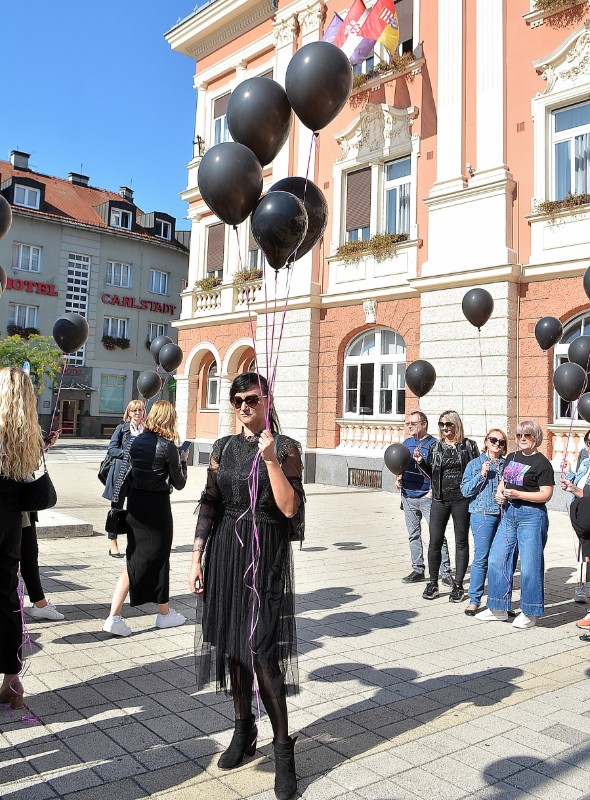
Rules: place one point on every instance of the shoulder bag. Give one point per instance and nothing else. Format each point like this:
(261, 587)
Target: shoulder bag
(39, 494)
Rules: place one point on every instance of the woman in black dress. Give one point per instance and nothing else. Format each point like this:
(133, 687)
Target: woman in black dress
(242, 571)
(156, 467)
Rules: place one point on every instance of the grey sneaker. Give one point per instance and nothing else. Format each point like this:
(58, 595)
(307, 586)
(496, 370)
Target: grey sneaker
(447, 580)
(580, 594)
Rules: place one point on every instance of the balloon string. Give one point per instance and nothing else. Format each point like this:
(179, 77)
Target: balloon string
(61, 380)
(483, 394)
(573, 412)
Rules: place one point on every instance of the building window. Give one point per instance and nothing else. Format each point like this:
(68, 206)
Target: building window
(255, 255)
(374, 375)
(119, 274)
(159, 282)
(121, 218)
(212, 386)
(162, 229)
(215, 250)
(358, 205)
(156, 329)
(117, 327)
(24, 316)
(27, 196)
(396, 183)
(77, 295)
(571, 150)
(220, 129)
(26, 257)
(112, 394)
(562, 409)
(364, 67)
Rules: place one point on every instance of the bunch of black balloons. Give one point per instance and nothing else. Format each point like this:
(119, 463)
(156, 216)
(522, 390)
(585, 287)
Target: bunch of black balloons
(291, 218)
(167, 355)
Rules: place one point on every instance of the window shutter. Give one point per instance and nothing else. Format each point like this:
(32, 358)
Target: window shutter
(215, 247)
(252, 243)
(358, 199)
(405, 18)
(220, 106)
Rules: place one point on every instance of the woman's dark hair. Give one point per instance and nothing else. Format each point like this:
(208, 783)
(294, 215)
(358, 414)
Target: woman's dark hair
(252, 380)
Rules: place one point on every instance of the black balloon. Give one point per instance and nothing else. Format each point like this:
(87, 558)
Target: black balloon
(586, 282)
(548, 331)
(478, 305)
(70, 332)
(230, 181)
(579, 352)
(584, 407)
(315, 205)
(569, 381)
(279, 225)
(420, 377)
(149, 384)
(397, 457)
(259, 116)
(170, 357)
(157, 344)
(3, 279)
(5, 216)
(318, 83)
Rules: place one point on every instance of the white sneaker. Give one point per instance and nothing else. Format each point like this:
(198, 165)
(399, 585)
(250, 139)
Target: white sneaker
(487, 615)
(47, 612)
(524, 621)
(580, 594)
(117, 626)
(170, 620)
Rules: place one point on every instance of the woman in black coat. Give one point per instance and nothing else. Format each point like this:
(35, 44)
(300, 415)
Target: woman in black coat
(115, 488)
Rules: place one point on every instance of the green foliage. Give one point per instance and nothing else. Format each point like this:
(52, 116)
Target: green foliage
(397, 64)
(380, 246)
(41, 352)
(552, 6)
(208, 283)
(246, 276)
(123, 343)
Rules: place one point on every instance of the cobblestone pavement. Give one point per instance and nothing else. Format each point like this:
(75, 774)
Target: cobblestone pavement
(401, 697)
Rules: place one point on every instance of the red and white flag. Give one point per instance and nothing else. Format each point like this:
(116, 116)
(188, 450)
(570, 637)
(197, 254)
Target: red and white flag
(348, 38)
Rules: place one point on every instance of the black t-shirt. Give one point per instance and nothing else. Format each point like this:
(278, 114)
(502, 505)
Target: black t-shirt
(527, 473)
(451, 474)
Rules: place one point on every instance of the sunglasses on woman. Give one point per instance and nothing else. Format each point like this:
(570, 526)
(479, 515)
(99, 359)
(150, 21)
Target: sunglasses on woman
(251, 400)
(493, 440)
(442, 425)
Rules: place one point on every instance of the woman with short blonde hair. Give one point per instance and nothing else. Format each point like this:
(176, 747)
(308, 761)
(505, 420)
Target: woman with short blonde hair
(162, 421)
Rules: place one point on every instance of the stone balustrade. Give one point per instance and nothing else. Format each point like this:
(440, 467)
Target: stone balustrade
(370, 435)
(247, 294)
(566, 443)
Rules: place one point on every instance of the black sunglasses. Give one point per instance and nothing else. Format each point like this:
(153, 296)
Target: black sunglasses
(251, 400)
(493, 440)
(446, 424)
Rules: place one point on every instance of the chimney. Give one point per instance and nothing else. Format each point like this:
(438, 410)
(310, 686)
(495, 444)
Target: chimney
(19, 160)
(78, 178)
(126, 193)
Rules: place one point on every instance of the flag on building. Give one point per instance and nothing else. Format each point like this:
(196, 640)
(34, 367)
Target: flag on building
(349, 40)
(331, 31)
(382, 25)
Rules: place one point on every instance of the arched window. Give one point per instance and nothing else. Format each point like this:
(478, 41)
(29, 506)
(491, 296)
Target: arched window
(374, 375)
(212, 386)
(577, 327)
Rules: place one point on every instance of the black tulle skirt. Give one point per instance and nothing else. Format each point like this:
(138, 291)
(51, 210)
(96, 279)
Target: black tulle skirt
(247, 611)
(149, 540)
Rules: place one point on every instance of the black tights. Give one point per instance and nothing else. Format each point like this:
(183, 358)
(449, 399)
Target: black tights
(272, 693)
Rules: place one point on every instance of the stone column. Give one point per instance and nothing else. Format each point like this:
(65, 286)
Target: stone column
(226, 414)
(182, 399)
(490, 74)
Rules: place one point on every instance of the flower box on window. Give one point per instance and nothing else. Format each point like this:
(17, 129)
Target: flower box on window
(380, 246)
(19, 330)
(206, 284)
(573, 203)
(246, 276)
(109, 342)
(123, 343)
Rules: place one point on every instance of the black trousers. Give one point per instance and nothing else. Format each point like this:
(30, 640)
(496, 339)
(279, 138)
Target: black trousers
(440, 513)
(11, 631)
(29, 563)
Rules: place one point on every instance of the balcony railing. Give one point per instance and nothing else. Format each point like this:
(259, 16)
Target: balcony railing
(248, 293)
(370, 435)
(565, 444)
(207, 301)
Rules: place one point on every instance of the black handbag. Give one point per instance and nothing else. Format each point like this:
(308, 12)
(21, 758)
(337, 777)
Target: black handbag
(39, 494)
(105, 468)
(116, 521)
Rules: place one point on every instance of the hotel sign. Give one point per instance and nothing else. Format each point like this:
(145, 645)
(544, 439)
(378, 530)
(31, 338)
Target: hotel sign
(139, 305)
(31, 286)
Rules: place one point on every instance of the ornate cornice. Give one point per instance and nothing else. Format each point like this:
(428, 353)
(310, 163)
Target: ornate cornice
(569, 63)
(285, 31)
(245, 22)
(312, 18)
(376, 130)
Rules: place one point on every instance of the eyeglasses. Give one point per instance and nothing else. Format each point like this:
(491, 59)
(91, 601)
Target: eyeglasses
(251, 400)
(442, 425)
(587, 441)
(412, 424)
(493, 440)
(524, 436)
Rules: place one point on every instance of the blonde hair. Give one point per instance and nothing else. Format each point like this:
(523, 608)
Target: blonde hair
(20, 435)
(531, 429)
(497, 430)
(162, 420)
(456, 420)
(132, 406)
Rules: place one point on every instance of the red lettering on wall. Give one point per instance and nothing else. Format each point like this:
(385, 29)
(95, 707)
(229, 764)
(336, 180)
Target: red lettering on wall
(18, 285)
(132, 302)
(43, 288)
(31, 286)
(52, 292)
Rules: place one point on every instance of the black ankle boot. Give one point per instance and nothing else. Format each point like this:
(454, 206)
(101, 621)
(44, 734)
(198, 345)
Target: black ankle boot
(285, 777)
(243, 742)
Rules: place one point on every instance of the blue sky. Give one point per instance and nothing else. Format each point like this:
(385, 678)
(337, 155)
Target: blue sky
(93, 86)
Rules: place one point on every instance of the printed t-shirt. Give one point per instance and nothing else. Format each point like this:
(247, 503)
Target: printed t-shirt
(451, 474)
(527, 473)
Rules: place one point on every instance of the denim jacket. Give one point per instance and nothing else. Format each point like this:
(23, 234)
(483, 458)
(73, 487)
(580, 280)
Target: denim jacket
(480, 490)
(580, 472)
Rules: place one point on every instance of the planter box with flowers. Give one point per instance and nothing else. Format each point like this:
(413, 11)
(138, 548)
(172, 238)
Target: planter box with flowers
(206, 284)
(247, 284)
(112, 342)
(560, 229)
(244, 276)
(383, 261)
(123, 343)
(19, 330)
(380, 246)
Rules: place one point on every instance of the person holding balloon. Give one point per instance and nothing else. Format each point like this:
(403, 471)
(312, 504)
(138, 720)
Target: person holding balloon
(524, 490)
(446, 462)
(479, 485)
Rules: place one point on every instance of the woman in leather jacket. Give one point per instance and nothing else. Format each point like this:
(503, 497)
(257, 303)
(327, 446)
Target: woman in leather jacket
(156, 467)
(447, 461)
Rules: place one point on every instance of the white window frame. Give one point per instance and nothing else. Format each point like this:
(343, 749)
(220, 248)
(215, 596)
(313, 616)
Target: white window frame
(165, 229)
(212, 393)
(117, 218)
(124, 274)
(354, 363)
(220, 130)
(255, 258)
(19, 251)
(115, 382)
(31, 197)
(155, 329)
(395, 185)
(117, 327)
(568, 135)
(29, 315)
(159, 276)
(580, 326)
(77, 291)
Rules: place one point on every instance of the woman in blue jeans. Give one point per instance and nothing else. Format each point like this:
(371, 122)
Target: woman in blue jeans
(480, 483)
(526, 486)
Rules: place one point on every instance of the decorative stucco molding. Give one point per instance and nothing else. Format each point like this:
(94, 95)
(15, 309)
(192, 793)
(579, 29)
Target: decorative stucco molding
(232, 31)
(378, 129)
(370, 309)
(312, 18)
(285, 31)
(569, 64)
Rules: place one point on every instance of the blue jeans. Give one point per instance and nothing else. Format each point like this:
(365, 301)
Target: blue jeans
(483, 528)
(416, 508)
(524, 526)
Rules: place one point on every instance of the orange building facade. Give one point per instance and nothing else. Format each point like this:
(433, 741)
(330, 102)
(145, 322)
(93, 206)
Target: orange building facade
(482, 118)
